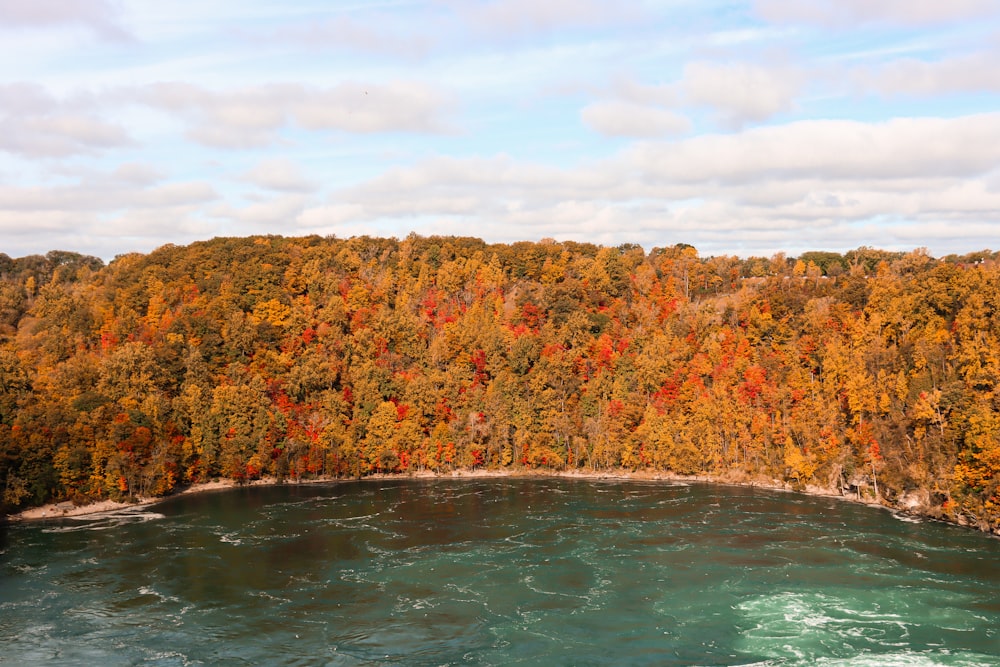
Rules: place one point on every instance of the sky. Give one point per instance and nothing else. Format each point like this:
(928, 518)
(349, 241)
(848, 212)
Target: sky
(741, 127)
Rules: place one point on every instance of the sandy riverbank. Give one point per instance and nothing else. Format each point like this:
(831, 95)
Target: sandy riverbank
(68, 509)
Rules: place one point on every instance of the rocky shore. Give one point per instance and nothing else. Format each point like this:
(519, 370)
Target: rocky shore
(908, 506)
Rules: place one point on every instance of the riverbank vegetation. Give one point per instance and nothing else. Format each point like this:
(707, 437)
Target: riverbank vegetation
(304, 357)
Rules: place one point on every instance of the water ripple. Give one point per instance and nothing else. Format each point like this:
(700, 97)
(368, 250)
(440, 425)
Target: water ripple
(500, 572)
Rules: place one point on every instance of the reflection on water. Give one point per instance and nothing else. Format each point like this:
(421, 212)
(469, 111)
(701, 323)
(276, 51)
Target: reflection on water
(496, 572)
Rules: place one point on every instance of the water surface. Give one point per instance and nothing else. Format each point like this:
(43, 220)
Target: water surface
(499, 572)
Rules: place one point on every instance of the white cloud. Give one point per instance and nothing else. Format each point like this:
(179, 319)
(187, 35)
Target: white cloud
(737, 92)
(115, 135)
(173, 194)
(526, 17)
(103, 196)
(99, 16)
(900, 148)
(251, 117)
(243, 119)
(23, 98)
(137, 174)
(471, 185)
(800, 186)
(59, 135)
(127, 174)
(740, 92)
(847, 13)
(279, 174)
(90, 205)
(331, 215)
(279, 213)
(422, 30)
(347, 34)
(657, 94)
(977, 72)
(626, 119)
(104, 213)
(817, 184)
(34, 124)
(356, 107)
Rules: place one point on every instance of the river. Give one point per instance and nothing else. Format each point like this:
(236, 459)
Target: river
(504, 571)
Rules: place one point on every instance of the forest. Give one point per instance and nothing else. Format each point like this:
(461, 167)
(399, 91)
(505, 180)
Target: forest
(295, 358)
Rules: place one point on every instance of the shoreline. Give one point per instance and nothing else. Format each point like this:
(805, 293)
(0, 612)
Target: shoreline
(67, 509)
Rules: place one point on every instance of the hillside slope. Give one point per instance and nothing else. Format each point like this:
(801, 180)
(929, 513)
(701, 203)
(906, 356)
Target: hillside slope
(299, 357)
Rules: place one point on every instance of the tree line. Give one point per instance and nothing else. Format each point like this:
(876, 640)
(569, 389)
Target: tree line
(303, 357)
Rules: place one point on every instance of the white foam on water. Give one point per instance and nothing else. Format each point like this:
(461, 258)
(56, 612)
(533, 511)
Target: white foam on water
(354, 518)
(128, 513)
(148, 590)
(805, 626)
(106, 520)
(518, 542)
(267, 596)
(784, 614)
(404, 604)
(24, 568)
(170, 657)
(909, 659)
(529, 582)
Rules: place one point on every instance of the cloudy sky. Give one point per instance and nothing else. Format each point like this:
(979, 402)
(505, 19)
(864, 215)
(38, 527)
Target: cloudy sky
(739, 126)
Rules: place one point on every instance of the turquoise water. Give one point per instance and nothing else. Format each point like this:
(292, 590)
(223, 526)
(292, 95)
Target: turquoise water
(499, 572)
